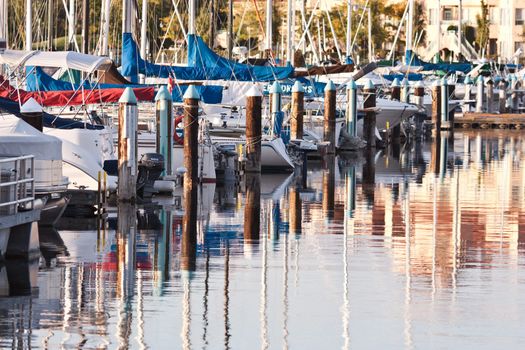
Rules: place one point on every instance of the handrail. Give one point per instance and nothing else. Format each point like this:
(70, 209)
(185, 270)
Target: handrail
(21, 181)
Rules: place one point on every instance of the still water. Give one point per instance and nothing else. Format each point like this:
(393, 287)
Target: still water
(418, 247)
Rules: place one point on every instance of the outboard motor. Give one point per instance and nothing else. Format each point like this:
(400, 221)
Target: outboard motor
(150, 166)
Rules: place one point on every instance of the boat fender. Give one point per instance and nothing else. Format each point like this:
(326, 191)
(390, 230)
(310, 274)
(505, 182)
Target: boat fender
(179, 139)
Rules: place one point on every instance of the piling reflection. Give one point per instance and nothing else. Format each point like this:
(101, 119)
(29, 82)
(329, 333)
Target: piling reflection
(329, 186)
(188, 253)
(252, 208)
(439, 245)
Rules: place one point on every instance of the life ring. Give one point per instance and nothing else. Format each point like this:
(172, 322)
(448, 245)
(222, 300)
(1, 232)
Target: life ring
(179, 139)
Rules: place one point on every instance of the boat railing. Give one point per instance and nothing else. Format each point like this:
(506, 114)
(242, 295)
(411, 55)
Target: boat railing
(17, 184)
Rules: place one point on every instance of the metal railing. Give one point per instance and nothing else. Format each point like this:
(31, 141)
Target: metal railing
(17, 184)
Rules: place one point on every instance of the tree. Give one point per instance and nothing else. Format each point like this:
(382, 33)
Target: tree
(483, 23)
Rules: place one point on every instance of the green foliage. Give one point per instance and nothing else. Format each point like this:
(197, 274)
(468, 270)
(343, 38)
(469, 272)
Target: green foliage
(483, 24)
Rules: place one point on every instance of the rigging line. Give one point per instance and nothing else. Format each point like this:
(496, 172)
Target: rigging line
(259, 18)
(242, 19)
(307, 25)
(165, 37)
(359, 26)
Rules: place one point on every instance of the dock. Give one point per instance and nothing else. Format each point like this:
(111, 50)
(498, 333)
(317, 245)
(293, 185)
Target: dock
(472, 120)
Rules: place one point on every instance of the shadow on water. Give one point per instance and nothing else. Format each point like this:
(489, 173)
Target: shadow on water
(270, 262)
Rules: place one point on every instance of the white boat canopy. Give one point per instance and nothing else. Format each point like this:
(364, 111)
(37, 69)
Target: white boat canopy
(56, 59)
(15, 58)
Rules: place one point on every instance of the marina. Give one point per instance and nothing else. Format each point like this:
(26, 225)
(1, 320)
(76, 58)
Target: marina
(183, 175)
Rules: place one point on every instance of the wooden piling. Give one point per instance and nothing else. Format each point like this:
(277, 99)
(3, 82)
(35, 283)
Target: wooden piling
(127, 146)
(436, 104)
(191, 135)
(419, 94)
(369, 125)
(296, 117)
(395, 94)
(253, 130)
(329, 116)
(164, 119)
(395, 90)
(252, 207)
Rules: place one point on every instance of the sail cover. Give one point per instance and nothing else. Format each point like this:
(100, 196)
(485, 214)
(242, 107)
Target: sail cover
(203, 64)
(39, 81)
(411, 58)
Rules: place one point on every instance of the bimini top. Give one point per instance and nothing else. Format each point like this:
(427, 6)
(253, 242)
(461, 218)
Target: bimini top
(14, 58)
(56, 59)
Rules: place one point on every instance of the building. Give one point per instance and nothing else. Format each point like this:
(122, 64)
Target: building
(507, 19)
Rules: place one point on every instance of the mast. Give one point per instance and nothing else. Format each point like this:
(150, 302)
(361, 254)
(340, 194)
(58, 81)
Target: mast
(50, 20)
(212, 24)
(143, 36)
(289, 33)
(71, 24)
(106, 8)
(460, 19)
(29, 26)
(3, 20)
(269, 29)
(348, 31)
(126, 16)
(230, 29)
(438, 31)
(144, 29)
(191, 17)
(85, 26)
(410, 25)
(370, 54)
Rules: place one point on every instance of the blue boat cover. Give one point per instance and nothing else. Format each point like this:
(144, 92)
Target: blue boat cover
(38, 80)
(203, 64)
(412, 59)
(49, 120)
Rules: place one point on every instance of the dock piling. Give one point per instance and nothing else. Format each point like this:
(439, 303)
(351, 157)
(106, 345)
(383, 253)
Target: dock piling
(191, 135)
(490, 95)
(395, 90)
(164, 120)
(253, 130)
(276, 111)
(296, 117)
(127, 146)
(502, 96)
(405, 91)
(369, 125)
(32, 113)
(329, 116)
(479, 94)
(444, 105)
(436, 104)
(468, 94)
(351, 108)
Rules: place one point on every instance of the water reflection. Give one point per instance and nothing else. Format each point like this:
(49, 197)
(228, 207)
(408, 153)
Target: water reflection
(424, 242)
